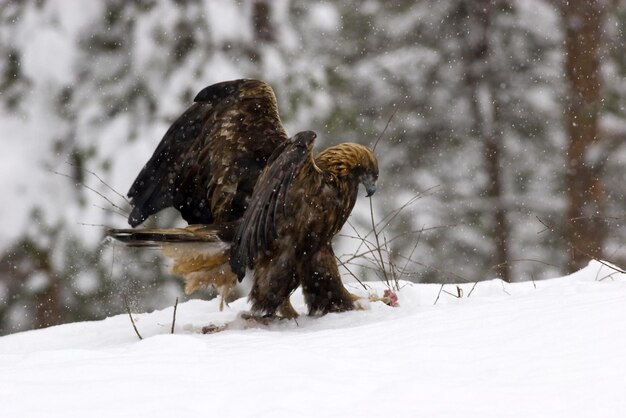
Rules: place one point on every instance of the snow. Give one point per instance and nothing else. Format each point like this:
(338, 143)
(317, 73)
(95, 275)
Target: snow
(325, 16)
(553, 348)
(227, 22)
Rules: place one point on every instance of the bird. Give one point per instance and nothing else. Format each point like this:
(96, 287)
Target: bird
(254, 199)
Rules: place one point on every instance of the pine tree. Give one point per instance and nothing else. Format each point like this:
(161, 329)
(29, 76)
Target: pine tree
(585, 227)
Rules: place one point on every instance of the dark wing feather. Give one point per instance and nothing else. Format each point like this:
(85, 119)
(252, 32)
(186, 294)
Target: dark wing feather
(156, 237)
(209, 160)
(258, 229)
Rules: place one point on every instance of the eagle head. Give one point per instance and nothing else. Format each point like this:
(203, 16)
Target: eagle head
(369, 181)
(352, 161)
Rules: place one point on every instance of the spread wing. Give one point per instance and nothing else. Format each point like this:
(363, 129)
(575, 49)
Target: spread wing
(258, 225)
(209, 160)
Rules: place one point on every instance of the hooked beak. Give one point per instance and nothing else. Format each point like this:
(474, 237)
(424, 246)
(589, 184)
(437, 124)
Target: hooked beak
(370, 185)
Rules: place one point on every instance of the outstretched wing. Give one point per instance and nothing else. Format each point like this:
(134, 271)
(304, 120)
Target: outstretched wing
(258, 228)
(209, 160)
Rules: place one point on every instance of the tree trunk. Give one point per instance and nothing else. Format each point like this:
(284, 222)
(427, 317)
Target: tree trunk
(262, 21)
(262, 26)
(585, 229)
(486, 113)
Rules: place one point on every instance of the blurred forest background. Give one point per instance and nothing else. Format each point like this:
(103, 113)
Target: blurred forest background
(508, 124)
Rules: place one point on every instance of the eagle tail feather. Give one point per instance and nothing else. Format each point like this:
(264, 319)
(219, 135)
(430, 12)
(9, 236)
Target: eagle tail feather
(199, 254)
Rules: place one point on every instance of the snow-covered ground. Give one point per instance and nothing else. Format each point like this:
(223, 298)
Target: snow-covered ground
(554, 348)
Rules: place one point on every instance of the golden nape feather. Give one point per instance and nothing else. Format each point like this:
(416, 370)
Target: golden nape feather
(347, 158)
(198, 252)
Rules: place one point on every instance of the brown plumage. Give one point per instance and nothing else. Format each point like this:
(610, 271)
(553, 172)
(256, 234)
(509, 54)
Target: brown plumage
(270, 205)
(208, 162)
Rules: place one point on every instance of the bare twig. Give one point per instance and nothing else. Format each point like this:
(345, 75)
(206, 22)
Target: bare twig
(91, 189)
(112, 260)
(400, 235)
(96, 225)
(440, 271)
(385, 129)
(472, 289)
(608, 276)
(363, 240)
(504, 289)
(174, 315)
(110, 211)
(458, 295)
(356, 255)
(386, 220)
(378, 247)
(439, 294)
(532, 260)
(350, 272)
(575, 248)
(406, 264)
(132, 321)
(377, 251)
(101, 181)
(391, 216)
(392, 266)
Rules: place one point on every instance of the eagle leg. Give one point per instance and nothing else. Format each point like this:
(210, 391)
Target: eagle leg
(322, 287)
(274, 282)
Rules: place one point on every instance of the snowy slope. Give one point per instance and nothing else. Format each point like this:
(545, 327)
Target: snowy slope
(554, 348)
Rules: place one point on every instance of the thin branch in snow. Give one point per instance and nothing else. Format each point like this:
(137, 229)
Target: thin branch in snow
(378, 247)
(439, 294)
(132, 321)
(378, 251)
(504, 289)
(440, 271)
(608, 276)
(472, 289)
(350, 272)
(392, 266)
(174, 315)
(406, 264)
(364, 241)
(458, 295)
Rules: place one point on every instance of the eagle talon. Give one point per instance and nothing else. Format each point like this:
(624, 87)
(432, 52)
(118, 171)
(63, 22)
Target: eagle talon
(263, 320)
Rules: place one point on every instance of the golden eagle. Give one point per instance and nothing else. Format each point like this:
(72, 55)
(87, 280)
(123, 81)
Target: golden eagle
(254, 199)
